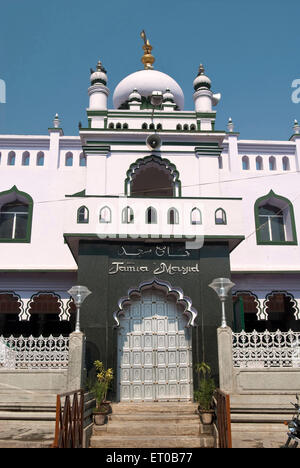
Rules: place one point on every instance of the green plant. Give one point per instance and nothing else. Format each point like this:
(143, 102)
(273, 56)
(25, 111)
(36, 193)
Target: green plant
(101, 385)
(206, 388)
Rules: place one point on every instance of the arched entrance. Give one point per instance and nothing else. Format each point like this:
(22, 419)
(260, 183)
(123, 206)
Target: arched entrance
(154, 347)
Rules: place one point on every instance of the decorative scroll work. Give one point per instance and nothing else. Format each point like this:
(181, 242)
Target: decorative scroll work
(267, 349)
(164, 286)
(34, 353)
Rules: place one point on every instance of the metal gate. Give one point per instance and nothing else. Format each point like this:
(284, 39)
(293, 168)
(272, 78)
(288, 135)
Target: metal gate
(154, 350)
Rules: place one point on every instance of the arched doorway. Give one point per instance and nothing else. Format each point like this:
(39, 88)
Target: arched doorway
(154, 348)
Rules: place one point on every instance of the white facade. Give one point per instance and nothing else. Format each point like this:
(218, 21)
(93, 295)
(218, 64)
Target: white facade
(211, 170)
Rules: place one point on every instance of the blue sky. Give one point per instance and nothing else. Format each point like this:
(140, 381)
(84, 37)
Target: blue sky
(250, 51)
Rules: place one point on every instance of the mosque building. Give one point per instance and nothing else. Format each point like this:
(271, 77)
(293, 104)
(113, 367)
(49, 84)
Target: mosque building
(145, 207)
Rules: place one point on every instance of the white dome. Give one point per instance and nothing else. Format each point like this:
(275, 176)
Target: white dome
(146, 81)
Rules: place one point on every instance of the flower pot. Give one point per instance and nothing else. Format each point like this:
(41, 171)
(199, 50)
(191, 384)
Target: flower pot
(206, 416)
(100, 418)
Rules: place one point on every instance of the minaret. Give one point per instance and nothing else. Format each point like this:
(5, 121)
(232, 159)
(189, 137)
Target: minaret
(203, 97)
(98, 92)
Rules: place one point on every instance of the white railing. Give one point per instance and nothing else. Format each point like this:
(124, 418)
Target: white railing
(34, 353)
(267, 349)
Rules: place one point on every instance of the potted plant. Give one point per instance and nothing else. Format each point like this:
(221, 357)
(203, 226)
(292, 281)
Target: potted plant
(204, 394)
(100, 387)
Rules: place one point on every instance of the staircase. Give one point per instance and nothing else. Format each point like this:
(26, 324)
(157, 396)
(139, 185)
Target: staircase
(153, 425)
(27, 419)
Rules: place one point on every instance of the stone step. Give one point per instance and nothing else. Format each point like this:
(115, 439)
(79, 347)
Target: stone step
(165, 407)
(27, 416)
(161, 429)
(154, 417)
(152, 442)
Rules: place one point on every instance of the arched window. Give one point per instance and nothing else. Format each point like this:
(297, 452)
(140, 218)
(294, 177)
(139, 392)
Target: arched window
(285, 163)
(151, 215)
(246, 309)
(144, 126)
(178, 127)
(125, 126)
(118, 126)
(151, 126)
(220, 216)
(193, 127)
(245, 163)
(40, 159)
(173, 216)
(83, 215)
(185, 127)
(105, 215)
(45, 310)
(272, 163)
(69, 159)
(152, 177)
(111, 126)
(11, 160)
(275, 222)
(11, 307)
(25, 158)
(259, 163)
(282, 311)
(15, 216)
(82, 160)
(127, 215)
(196, 216)
(159, 126)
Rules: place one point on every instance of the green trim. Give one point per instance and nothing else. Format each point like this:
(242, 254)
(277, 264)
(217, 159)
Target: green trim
(164, 236)
(95, 113)
(272, 194)
(27, 239)
(83, 195)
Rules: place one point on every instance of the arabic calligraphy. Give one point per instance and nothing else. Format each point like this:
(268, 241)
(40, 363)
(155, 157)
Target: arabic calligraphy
(158, 251)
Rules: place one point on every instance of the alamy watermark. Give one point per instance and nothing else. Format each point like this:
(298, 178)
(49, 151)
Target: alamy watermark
(296, 94)
(2, 92)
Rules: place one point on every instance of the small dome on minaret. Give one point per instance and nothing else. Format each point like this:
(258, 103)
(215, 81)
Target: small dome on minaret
(99, 76)
(168, 96)
(201, 81)
(135, 96)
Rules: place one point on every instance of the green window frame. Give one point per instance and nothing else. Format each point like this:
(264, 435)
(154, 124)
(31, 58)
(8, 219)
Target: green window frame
(275, 220)
(15, 207)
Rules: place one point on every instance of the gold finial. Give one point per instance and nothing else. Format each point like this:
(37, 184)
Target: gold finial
(147, 58)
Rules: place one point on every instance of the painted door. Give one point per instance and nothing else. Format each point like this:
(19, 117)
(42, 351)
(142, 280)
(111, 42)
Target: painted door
(154, 351)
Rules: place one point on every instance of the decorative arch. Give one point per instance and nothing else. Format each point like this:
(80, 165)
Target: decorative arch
(15, 195)
(41, 295)
(248, 314)
(293, 301)
(189, 311)
(286, 208)
(170, 167)
(15, 299)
